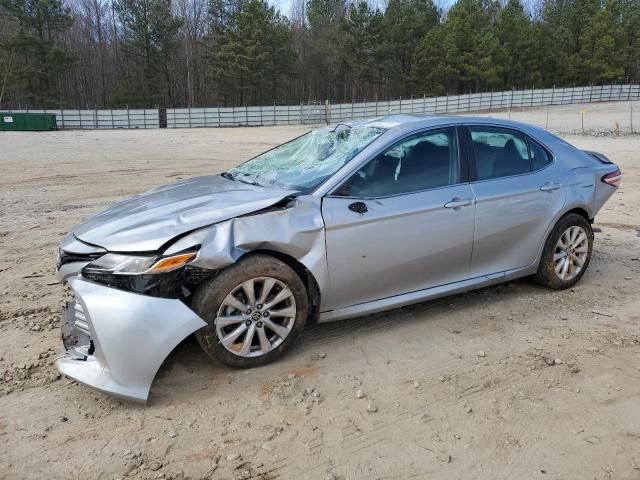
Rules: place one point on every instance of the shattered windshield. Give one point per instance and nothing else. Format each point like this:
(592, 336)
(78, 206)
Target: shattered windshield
(305, 162)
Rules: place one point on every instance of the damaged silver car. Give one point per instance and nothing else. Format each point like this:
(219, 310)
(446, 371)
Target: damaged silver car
(343, 221)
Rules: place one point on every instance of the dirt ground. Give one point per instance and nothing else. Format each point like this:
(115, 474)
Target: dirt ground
(456, 388)
(616, 117)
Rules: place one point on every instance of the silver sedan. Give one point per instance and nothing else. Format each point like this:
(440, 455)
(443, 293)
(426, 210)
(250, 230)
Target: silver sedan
(343, 221)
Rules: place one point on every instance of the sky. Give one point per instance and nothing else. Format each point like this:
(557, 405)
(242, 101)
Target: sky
(285, 5)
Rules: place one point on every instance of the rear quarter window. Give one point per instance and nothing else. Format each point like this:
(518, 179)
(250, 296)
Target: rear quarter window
(540, 156)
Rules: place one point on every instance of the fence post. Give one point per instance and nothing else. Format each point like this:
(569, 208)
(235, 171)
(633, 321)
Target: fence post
(491, 100)
(631, 114)
(62, 117)
(80, 118)
(546, 121)
(533, 91)
(128, 118)
(446, 104)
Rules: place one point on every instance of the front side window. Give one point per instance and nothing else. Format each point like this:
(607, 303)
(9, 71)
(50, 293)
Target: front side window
(426, 161)
(305, 162)
(499, 152)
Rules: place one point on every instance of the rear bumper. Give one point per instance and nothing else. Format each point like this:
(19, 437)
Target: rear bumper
(116, 341)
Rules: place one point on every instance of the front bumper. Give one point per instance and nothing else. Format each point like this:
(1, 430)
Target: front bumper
(116, 341)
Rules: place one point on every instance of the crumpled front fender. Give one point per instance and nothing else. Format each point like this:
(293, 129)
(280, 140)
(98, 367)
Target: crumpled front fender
(296, 230)
(132, 335)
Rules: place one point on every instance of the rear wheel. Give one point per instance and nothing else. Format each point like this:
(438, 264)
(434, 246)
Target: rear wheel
(567, 253)
(255, 310)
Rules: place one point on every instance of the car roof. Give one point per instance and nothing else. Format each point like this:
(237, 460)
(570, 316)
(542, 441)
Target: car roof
(403, 123)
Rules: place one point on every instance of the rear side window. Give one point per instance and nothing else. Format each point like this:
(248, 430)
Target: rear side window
(499, 152)
(540, 157)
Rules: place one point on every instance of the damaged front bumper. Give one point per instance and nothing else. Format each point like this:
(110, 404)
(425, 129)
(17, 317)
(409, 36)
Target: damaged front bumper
(116, 341)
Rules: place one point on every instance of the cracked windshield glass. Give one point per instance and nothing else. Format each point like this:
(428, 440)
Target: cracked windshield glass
(305, 162)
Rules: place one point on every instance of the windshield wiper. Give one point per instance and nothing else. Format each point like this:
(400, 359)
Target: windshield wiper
(249, 182)
(341, 125)
(231, 176)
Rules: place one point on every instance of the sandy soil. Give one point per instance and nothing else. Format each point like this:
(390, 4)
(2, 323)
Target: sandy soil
(457, 388)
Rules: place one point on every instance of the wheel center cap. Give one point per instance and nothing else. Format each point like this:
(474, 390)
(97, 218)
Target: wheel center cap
(255, 316)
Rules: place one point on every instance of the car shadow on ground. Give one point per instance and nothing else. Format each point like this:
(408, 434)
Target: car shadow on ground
(188, 370)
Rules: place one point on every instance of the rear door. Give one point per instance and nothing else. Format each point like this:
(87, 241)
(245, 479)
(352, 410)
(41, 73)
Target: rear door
(402, 223)
(518, 189)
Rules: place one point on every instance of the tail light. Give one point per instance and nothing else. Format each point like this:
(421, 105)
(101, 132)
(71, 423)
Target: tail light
(613, 178)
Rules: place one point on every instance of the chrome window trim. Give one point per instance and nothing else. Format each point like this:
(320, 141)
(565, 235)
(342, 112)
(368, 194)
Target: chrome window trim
(398, 194)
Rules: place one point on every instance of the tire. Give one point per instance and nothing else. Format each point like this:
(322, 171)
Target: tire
(546, 274)
(260, 272)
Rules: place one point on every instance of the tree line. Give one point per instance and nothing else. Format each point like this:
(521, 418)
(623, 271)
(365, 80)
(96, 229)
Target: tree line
(189, 53)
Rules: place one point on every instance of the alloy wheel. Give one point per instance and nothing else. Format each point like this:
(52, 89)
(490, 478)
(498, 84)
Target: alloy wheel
(571, 253)
(256, 317)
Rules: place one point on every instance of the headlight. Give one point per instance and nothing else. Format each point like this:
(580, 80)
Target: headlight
(119, 264)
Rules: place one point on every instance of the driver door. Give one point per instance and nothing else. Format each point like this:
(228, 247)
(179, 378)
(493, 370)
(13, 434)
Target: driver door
(402, 223)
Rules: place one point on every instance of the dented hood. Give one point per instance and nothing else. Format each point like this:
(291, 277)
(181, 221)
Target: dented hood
(148, 221)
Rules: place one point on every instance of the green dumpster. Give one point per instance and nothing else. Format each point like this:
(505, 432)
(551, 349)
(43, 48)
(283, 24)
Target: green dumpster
(27, 121)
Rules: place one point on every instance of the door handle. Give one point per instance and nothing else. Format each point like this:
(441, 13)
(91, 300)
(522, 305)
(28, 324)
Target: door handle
(358, 207)
(456, 203)
(550, 186)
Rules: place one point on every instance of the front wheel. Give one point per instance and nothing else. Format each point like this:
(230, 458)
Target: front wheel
(255, 310)
(567, 253)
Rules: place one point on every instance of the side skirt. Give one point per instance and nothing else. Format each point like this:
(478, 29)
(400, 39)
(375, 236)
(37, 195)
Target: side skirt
(424, 295)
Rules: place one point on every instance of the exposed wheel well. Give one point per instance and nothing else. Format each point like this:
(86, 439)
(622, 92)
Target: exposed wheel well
(303, 272)
(580, 211)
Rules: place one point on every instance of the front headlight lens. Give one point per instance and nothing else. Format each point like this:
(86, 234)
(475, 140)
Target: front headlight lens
(116, 263)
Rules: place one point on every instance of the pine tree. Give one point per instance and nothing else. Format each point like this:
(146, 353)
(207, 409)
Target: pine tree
(33, 62)
(598, 41)
(474, 44)
(518, 52)
(149, 41)
(252, 51)
(363, 33)
(404, 24)
(327, 39)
